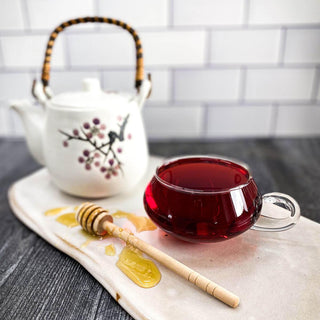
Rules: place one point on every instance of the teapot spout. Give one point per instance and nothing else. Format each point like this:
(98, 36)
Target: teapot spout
(33, 121)
(144, 91)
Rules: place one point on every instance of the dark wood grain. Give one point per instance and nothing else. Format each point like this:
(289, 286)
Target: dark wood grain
(39, 282)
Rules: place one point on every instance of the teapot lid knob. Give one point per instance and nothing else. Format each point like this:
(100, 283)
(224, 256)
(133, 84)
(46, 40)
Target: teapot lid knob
(91, 85)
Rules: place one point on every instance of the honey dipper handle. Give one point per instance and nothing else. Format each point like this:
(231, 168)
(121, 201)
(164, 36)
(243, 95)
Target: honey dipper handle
(179, 268)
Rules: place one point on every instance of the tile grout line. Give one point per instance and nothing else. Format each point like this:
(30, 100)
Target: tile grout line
(191, 67)
(274, 119)
(25, 16)
(186, 28)
(66, 55)
(1, 55)
(207, 53)
(315, 85)
(12, 126)
(242, 85)
(101, 77)
(172, 90)
(254, 103)
(96, 12)
(4, 129)
(96, 8)
(205, 121)
(282, 46)
(170, 13)
(246, 14)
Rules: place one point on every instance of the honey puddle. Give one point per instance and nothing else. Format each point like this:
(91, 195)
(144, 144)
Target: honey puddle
(140, 270)
(131, 262)
(110, 250)
(54, 211)
(68, 219)
(90, 238)
(140, 223)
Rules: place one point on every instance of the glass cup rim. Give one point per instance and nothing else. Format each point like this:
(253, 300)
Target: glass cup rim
(195, 191)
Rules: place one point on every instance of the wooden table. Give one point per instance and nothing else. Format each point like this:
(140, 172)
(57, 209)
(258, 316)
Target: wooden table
(39, 282)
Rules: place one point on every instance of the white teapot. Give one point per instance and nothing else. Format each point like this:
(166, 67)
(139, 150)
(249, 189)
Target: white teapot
(92, 142)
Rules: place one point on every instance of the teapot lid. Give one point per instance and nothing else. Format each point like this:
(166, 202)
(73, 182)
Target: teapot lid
(92, 96)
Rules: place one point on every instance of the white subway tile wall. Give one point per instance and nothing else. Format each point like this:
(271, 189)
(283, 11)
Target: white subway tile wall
(174, 48)
(279, 84)
(206, 84)
(138, 13)
(233, 68)
(282, 12)
(302, 46)
(101, 50)
(5, 121)
(207, 12)
(245, 46)
(123, 80)
(15, 85)
(11, 15)
(245, 121)
(169, 121)
(67, 81)
(303, 120)
(27, 51)
(47, 14)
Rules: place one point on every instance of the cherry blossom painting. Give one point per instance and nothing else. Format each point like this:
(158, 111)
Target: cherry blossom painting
(101, 148)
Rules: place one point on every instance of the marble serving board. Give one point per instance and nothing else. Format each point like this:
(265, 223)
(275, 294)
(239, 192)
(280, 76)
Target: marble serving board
(276, 275)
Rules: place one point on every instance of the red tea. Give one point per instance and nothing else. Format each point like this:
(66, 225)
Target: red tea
(203, 199)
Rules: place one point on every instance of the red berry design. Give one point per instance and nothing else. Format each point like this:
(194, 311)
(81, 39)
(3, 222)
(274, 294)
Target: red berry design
(103, 127)
(88, 166)
(97, 163)
(75, 132)
(96, 121)
(86, 125)
(103, 169)
(111, 161)
(119, 150)
(81, 159)
(86, 153)
(107, 176)
(65, 143)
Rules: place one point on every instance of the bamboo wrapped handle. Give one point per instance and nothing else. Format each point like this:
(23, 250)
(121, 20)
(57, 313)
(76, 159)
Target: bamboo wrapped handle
(45, 78)
(95, 219)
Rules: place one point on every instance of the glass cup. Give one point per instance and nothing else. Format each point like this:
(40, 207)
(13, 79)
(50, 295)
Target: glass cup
(207, 199)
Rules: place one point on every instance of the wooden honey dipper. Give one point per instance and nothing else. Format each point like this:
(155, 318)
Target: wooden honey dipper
(98, 221)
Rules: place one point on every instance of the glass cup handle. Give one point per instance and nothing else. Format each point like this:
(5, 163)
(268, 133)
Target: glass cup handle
(279, 212)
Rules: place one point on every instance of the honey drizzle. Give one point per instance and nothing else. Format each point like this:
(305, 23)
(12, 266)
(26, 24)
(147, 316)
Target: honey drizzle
(54, 211)
(140, 223)
(110, 250)
(90, 238)
(68, 219)
(140, 270)
(131, 262)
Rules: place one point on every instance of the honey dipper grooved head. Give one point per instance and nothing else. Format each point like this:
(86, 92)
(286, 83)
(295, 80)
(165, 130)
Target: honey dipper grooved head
(91, 218)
